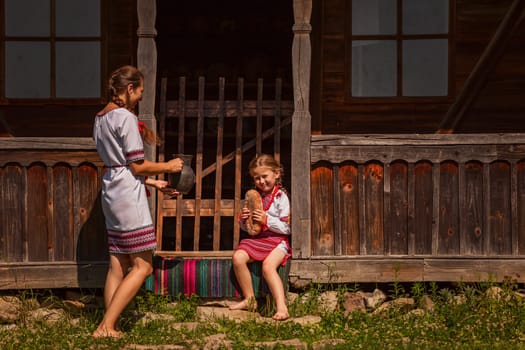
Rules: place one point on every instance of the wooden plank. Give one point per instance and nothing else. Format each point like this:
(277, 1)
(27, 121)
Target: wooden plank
(301, 129)
(218, 173)
(322, 215)
(432, 152)
(62, 206)
(52, 275)
(250, 108)
(411, 200)
(423, 207)
(500, 210)
(449, 209)
(48, 143)
(514, 208)
(520, 217)
(13, 230)
(373, 229)
(37, 189)
(398, 232)
(349, 209)
(404, 269)
(49, 158)
(338, 215)
(198, 171)
(472, 225)
(180, 147)
(159, 224)
(436, 180)
(238, 160)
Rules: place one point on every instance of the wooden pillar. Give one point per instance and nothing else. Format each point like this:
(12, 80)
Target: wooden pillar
(301, 129)
(147, 64)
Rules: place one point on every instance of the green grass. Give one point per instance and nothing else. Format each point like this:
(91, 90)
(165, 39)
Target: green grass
(476, 321)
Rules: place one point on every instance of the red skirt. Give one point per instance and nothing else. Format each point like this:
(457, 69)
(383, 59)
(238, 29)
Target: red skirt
(260, 246)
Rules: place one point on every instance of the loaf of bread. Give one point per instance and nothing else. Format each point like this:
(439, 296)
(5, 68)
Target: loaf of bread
(253, 202)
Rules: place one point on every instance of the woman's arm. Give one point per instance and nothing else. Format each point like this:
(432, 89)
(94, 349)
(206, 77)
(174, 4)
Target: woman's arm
(147, 168)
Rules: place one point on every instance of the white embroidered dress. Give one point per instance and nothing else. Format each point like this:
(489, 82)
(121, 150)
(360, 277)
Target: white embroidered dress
(124, 200)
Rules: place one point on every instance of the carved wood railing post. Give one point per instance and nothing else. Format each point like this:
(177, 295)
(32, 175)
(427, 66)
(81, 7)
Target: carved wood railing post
(301, 129)
(147, 63)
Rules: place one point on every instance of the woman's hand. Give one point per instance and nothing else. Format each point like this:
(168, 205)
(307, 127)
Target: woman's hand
(175, 165)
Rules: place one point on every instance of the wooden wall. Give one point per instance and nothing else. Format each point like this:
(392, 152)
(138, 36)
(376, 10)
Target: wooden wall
(52, 231)
(434, 204)
(75, 118)
(498, 106)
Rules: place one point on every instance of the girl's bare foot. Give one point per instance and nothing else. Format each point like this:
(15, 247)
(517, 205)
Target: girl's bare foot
(107, 333)
(281, 316)
(246, 304)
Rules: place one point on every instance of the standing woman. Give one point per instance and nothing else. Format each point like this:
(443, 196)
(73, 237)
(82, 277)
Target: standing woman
(130, 230)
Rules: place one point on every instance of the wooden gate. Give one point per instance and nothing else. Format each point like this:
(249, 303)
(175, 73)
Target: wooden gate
(223, 136)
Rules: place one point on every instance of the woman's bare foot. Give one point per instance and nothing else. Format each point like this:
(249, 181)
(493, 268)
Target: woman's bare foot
(281, 316)
(246, 304)
(107, 333)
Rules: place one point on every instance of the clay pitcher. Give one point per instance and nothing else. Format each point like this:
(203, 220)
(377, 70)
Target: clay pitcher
(184, 180)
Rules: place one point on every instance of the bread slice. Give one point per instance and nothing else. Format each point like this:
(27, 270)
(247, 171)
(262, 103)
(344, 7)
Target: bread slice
(253, 202)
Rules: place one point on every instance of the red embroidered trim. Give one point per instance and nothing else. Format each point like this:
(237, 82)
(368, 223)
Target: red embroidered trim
(268, 199)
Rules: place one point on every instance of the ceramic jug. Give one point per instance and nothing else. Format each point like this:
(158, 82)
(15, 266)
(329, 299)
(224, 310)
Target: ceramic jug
(184, 180)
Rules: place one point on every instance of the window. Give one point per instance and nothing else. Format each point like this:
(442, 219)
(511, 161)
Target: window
(51, 49)
(399, 48)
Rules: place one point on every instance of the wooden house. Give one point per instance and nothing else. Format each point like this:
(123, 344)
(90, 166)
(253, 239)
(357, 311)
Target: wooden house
(399, 124)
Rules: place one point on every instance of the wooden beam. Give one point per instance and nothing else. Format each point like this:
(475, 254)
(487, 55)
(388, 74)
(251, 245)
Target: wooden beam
(486, 63)
(301, 129)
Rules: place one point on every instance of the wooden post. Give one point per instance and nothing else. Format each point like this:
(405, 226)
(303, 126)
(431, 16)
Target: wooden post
(147, 63)
(301, 129)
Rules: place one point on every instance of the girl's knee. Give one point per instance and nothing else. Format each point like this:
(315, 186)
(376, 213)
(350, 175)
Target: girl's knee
(240, 258)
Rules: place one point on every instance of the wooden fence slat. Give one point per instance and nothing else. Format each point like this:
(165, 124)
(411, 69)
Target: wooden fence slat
(218, 172)
(411, 227)
(198, 169)
(514, 208)
(37, 185)
(448, 212)
(277, 121)
(349, 209)
(398, 208)
(64, 234)
(423, 207)
(373, 196)
(258, 130)
(322, 216)
(500, 212)
(472, 210)
(160, 157)
(520, 217)
(238, 159)
(181, 131)
(338, 239)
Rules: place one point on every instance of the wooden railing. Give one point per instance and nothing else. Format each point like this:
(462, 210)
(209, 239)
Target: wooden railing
(222, 135)
(435, 195)
(51, 223)
(415, 208)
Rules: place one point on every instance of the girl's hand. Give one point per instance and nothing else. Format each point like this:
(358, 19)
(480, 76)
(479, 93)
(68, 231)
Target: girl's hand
(259, 216)
(245, 213)
(162, 186)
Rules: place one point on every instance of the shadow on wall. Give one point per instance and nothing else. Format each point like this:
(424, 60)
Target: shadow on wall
(92, 249)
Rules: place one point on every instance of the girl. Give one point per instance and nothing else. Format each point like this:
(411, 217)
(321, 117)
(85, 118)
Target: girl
(271, 246)
(130, 230)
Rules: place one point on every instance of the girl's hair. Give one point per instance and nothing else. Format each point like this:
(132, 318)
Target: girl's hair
(119, 81)
(269, 161)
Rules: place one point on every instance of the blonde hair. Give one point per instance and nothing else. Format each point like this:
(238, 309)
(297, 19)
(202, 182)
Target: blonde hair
(267, 160)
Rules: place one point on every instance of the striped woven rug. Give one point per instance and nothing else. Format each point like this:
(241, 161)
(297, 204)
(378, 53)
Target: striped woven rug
(207, 278)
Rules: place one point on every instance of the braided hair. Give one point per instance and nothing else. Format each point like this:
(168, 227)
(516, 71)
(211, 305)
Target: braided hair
(119, 81)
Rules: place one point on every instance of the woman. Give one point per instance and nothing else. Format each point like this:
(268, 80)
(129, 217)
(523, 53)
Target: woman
(130, 230)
